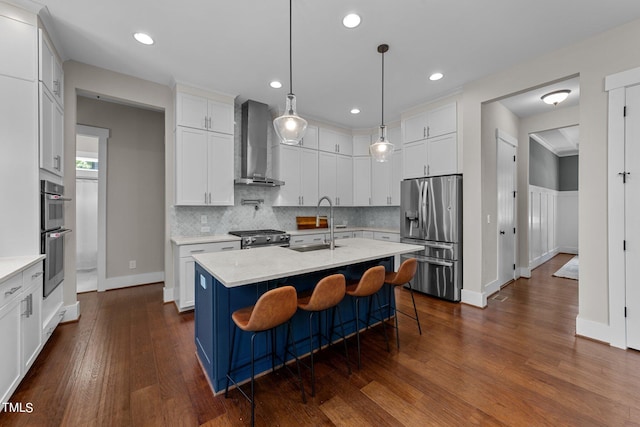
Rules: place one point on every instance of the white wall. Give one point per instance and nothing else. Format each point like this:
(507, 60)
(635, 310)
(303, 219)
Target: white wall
(568, 220)
(592, 59)
(82, 77)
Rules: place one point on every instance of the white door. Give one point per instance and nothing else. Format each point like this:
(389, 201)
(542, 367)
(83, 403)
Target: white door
(415, 160)
(326, 174)
(289, 161)
(220, 169)
(362, 181)
(442, 153)
(191, 167)
(632, 213)
(344, 181)
(506, 208)
(380, 179)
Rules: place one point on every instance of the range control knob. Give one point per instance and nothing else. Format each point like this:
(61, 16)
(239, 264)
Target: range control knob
(282, 237)
(247, 240)
(268, 238)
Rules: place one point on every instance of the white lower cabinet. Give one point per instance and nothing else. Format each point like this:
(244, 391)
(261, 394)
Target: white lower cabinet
(185, 269)
(20, 327)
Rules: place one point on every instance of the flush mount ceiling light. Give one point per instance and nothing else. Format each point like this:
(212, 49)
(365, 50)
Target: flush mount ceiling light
(290, 127)
(382, 149)
(355, 111)
(352, 20)
(436, 76)
(275, 84)
(143, 38)
(554, 98)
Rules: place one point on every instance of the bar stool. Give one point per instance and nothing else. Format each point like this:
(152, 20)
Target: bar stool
(403, 276)
(367, 287)
(327, 294)
(274, 308)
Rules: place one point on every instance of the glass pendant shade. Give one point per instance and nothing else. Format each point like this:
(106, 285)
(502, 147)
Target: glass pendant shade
(382, 149)
(290, 127)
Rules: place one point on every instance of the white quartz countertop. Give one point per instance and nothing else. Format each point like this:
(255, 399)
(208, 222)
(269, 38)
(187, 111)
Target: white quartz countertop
(180, 240)
(342, 229)
(12, 265)
(237, 268)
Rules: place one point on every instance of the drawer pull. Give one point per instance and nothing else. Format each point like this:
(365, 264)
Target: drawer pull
(197, 251)
(385, 237)
(38, 274)
(12, 291)
(227, 248)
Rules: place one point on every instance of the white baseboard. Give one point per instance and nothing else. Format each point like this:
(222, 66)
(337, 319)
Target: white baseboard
(524, 272)
(168, 294)
(568, 250)
(491, 288)
(594, 330)
(138, 279)
(542, 259)
(476, 299)
(71, 312)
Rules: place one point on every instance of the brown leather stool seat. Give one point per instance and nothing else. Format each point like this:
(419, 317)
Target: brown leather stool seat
(327, 294)
(402, 277)
(367, 287)
(274, 308)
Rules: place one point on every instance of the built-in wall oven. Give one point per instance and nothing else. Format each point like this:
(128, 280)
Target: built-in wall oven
(52, 233)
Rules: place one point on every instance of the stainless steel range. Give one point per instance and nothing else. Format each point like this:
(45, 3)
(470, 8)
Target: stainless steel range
(261, 238)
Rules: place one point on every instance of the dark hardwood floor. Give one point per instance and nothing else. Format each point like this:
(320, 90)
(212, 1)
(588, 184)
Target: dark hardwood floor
(130, 361)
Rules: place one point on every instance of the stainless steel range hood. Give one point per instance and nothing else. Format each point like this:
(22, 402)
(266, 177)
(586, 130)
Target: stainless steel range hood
(255, 128)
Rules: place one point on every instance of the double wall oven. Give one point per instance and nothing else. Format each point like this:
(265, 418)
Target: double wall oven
(52, 233)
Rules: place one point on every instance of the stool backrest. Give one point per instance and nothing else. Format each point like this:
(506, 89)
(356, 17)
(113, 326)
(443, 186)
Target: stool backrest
(370, 282)
(406, 271)
(273, 308)
(328, 292)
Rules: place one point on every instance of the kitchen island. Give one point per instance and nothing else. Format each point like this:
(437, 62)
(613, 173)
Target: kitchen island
(227, 281)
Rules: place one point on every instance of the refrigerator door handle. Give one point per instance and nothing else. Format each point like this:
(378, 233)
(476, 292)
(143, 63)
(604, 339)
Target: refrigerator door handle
(433, 261)
(423, 202)
(439, 245)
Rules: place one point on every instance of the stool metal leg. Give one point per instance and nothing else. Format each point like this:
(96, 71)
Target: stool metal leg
(344, 337)
(253, 401)
(295, 355)
(357, 312)
(384, 329)
(233, 339)
(313, 373)
(395, 313)
(414, 307)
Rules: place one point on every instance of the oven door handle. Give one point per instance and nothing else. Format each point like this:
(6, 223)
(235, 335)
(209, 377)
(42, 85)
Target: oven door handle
(433, 261)
(56, 234)
(56, 197)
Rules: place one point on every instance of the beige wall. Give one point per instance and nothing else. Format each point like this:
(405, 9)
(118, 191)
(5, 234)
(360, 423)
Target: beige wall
(592, 59)
(494, 116)
(82, 77)
(135, 184)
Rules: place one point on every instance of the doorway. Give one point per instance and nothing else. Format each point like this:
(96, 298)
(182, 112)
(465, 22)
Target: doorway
(91, 169)
(506, 175)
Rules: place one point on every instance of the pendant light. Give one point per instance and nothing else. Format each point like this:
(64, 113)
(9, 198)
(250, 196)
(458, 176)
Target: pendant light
(382, 149)
(290, 127)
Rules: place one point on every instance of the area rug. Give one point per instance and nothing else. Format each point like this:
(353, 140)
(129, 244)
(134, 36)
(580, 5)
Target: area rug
(569, 270)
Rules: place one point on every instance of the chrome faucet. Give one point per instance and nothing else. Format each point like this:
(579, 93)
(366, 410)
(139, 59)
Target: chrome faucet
(332, 243)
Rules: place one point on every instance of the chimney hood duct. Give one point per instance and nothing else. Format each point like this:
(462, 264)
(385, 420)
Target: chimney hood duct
(255, 128)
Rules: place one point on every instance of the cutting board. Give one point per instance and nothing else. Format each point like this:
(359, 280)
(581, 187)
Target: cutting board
(309, 222)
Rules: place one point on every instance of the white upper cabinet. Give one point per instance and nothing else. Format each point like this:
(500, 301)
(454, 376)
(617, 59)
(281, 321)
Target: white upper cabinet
(51, 133)
(361, 145)
(415, 128)
(18, 47)
(430, 140)
(385, 179)
(202, 113)
(442, 121)
(310, 139)
(335, 178)
(442, 155)
(298, 168)
(204, 168)
(335, 142)
(362, 181)
(50, 69)
(430, 124)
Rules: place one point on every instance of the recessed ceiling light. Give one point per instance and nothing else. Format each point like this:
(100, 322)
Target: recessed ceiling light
(355, 111)
(352, 20)
(275, 84)
(143, 38)
(436, 76)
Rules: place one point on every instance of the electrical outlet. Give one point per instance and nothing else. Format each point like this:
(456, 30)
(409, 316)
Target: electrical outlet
(203, 219)
(132, 264)
(205, 229)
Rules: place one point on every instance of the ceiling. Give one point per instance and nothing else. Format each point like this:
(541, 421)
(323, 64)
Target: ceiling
(562, 142)
(238, 47)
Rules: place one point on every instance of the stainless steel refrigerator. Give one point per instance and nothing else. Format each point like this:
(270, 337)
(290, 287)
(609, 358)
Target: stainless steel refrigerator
(431, 215)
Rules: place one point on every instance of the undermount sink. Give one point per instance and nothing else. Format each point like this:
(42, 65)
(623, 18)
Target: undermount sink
(312, 247)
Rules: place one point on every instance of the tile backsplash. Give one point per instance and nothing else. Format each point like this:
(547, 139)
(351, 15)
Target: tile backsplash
(186, 220)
